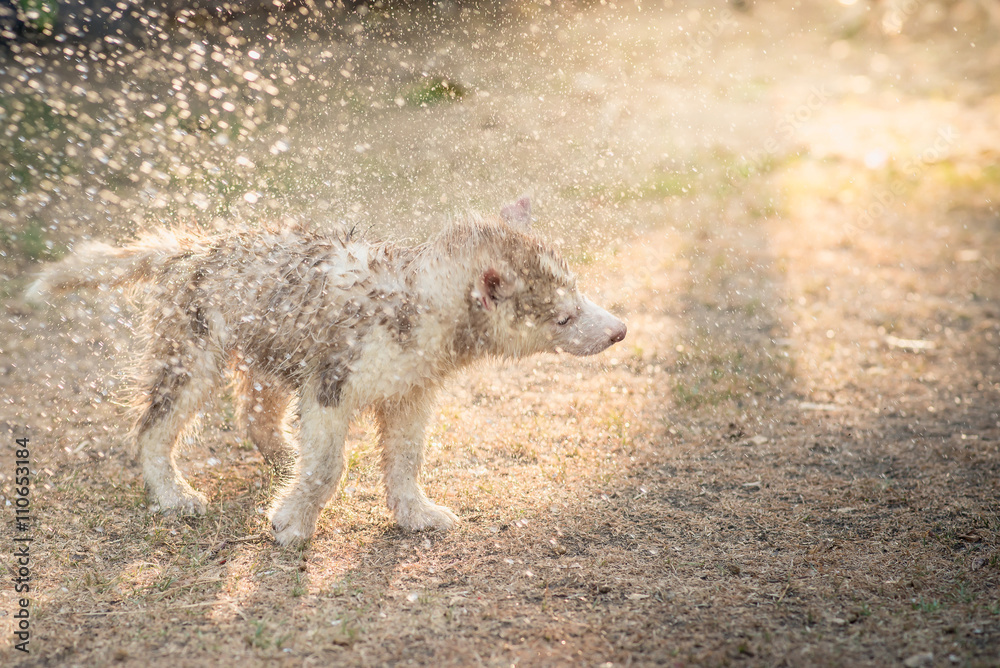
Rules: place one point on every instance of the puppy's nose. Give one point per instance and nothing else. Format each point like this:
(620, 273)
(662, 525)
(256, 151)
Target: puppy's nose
(618, 333)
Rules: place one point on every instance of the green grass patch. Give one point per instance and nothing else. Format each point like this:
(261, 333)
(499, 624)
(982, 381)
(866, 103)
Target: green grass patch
(434, 90)
(30, 243)
(927, 605)
(40, 15)
(32, 143)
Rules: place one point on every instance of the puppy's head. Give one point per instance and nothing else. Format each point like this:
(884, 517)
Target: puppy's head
(525, 298)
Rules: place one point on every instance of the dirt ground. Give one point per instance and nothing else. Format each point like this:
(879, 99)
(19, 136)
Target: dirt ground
(793, 459)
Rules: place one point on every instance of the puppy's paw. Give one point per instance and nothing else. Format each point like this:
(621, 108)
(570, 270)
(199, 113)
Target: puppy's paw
(179, 501)
(290, 535)
(424, 516)
(291, 527)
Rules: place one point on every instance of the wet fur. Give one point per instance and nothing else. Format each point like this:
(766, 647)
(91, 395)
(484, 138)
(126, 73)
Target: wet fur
(331, 324)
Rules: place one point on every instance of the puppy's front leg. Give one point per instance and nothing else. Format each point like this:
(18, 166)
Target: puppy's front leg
(401, 427)
(317, 472)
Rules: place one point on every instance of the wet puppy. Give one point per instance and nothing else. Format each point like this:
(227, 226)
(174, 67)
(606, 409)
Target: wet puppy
(338, 324)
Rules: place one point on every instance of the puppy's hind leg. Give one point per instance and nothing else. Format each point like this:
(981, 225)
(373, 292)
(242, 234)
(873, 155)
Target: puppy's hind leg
(401, 427)
(317, 472)
(264, 403)
(173, 393)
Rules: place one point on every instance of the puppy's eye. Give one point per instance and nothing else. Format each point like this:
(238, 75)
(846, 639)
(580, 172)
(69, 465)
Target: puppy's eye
(564, 320)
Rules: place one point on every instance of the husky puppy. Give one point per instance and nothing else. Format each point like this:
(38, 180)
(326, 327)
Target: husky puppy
(339, 324)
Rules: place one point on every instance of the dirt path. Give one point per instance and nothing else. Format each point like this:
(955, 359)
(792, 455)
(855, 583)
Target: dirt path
(794, 458)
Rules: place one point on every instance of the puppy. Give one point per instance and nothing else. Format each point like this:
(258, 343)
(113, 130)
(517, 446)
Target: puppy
(340, 324)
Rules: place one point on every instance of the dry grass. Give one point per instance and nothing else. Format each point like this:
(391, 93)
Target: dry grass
(764, 472)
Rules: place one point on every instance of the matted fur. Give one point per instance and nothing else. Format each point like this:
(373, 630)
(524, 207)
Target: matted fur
(338, 323)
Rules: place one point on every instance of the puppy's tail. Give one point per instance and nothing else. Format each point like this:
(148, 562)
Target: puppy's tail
(94, 264)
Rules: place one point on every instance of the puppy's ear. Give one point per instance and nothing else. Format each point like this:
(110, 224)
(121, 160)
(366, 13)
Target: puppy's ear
(517, 213)
(492, 288)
